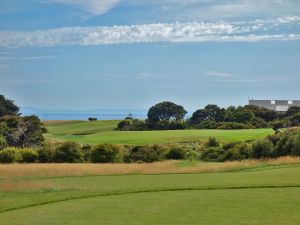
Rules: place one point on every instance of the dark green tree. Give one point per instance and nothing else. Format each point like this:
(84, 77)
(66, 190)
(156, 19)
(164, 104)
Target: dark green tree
(166, 111)
(7, 107)
(292, 111)
(199, 116)
(243, 116)
(215, 112)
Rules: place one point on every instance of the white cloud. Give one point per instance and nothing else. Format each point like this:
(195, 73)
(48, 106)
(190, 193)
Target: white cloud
(219, 74)
(96, 7)
(193, 9)
(251, 80)
(253, 31)
(38, 57)
(14, 82)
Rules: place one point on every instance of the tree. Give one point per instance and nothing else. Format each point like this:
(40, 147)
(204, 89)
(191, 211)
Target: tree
(263, 113)
(243, 116)
(199, 116)
(7, 107)
(295, 120)
(210, 112)
(22, 131)
(166, 111)
(215, 113)
(292, 111)
(228, 115)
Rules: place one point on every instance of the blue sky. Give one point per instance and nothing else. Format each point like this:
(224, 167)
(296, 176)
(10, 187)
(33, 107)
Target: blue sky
(131, 54)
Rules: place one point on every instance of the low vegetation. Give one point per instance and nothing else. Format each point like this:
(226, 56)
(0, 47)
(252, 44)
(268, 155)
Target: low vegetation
(284, 143)
(170, 116)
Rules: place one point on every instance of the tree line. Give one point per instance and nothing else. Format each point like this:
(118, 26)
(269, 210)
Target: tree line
(170, 116)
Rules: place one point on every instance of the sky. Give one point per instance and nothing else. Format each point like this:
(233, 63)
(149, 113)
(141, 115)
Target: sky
(132, 54)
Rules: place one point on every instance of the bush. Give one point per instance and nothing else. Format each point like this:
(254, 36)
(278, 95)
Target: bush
(132, 125)
(208, 124)
(87, 151)
(259, 123)
(2, 142)
(169, 125)
(92, 119)
(46, 152)
(212, 142)
(69, 152)
(28, 155)
(233, 126)
(106, 153)
(239, 151)
(279, 124)
(262, 149)
(295, 120)
(145, 154)
(10, 155)
(124, 124)
(213, 154)
(176, 153)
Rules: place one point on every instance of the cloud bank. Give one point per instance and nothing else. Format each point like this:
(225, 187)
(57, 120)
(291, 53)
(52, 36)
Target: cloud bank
(95, 7)
(281, 29)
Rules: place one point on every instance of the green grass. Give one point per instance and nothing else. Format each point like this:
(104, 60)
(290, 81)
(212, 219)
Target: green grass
(270, 197)
(103, 132)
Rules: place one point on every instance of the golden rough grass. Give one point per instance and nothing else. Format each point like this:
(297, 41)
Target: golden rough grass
(59, 170)
(27, 185)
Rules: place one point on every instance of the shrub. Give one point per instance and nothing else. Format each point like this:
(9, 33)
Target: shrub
(259, 123)
(213, 154)
(124, 124)
(87, 151)
(145, 154)
(176, 153)
(46, 152)
(92, 119)
(295, 120)
(208, 124)
(212, 142)
(131, 125)
(69, 152)
(169, 125)
(233, 126)
(262, 149)
(28, 155)
(2, 142)
(239, 151)
(106, 153)
(277, 125)
(10, 155)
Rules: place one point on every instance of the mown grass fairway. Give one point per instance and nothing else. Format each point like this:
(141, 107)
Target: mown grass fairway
(268, 195)
(103, 132)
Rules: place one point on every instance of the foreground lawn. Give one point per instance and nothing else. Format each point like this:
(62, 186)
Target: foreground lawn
(102, 132)
(259, 194)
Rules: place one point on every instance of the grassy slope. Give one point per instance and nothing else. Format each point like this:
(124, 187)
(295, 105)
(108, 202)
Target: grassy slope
(102, 132)
(269, 196)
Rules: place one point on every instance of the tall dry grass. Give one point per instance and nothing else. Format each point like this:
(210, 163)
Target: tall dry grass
(59, 170)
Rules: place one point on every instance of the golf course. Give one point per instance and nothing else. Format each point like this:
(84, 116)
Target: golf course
(97, 132)
(252, 192)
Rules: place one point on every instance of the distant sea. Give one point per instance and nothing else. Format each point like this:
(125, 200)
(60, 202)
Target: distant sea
(100, 114)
